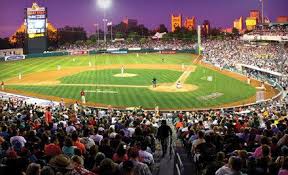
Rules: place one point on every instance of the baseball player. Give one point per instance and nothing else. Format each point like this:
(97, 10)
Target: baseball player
(178, 85)
(82, 93)
(122, 70)
(154, 82)
(2, 85)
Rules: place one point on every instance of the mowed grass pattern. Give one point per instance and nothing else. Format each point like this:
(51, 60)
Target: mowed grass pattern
(232, 90)
(144, 77)
(13, 68)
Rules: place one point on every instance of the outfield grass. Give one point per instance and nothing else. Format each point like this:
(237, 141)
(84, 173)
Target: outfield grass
(13, 68)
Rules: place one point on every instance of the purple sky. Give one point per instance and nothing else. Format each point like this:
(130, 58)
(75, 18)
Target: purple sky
(151, 13)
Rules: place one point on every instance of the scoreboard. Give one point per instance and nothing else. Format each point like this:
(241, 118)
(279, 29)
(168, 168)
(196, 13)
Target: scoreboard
(36, 21)
(36, 29)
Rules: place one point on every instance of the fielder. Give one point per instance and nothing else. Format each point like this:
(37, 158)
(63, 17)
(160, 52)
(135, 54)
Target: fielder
(58, 67)
(178, 85)
(249, 81)
(154, 82)
(82, 93)
(2, 85)
(20, 76)
(122, 70)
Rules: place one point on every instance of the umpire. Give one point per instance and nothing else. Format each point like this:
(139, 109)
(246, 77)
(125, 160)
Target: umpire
(163, 133)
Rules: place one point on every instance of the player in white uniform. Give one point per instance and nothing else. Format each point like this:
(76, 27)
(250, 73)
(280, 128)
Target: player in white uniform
(122, 70)
(178, 85)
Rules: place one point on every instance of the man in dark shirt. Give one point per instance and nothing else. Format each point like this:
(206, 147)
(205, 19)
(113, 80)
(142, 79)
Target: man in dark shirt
(164, 131)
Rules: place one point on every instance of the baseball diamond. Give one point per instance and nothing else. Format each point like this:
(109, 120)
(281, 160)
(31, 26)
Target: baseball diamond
(101, 78)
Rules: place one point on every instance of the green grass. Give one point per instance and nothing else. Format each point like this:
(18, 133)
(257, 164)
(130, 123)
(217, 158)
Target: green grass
(13, 68)
(144, 77)
(231, 89)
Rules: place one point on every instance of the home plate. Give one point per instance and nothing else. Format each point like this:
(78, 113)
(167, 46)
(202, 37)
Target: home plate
(101, 91)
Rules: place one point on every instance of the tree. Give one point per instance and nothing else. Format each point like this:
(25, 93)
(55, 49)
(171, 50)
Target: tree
(71, 34)
(162, 28)
(133, 36)
(4, 43)
(235, 31)
(119, 35)
(20, 39)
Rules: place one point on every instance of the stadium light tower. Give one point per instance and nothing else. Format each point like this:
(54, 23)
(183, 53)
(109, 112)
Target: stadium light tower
(104, 4)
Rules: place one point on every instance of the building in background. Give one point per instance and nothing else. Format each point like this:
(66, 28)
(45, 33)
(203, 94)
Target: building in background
(176, 22)
(282, 19)
(206, 27)
(190, 23)
(251, 23)
(130, 23)
(238, 24)
(255, 14)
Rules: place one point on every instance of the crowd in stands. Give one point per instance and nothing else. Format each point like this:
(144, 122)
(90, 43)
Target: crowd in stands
(271, 31)
(149, 44)
(75, 140)
(230, 53)
(252, 141)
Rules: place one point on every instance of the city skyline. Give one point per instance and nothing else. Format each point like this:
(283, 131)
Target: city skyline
(220, 13)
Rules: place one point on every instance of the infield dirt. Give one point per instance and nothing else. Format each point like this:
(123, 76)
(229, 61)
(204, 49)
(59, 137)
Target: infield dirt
(52, 78)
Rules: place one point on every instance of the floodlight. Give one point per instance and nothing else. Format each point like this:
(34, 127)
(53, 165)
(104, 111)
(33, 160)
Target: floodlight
(104, 4)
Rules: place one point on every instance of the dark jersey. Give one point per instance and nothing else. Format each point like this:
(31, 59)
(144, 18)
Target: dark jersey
(164, 131)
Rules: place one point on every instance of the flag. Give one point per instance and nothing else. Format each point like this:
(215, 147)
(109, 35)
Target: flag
(109, 23)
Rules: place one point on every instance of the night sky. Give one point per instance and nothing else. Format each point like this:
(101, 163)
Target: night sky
(151, 13)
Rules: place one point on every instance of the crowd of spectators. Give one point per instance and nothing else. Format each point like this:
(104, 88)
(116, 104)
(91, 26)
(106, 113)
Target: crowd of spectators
(231, 53)
(270, 31)
(75, 140)
(148, 44)
(250, 141)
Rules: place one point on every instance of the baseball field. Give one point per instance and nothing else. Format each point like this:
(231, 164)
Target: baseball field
(105, 83)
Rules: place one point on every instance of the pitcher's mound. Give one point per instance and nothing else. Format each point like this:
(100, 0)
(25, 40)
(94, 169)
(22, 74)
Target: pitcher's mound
(171, 87)
(125, 75)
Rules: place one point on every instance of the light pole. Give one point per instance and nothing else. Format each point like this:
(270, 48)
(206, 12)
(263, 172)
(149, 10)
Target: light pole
(104, 4)
(97, 32)
(262, 11)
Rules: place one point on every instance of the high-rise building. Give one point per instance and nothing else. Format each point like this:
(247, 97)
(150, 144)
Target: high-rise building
(255, 14)
(206, 27)
(251, 23)
(130, 23)
(190, 23)
(176, 22)
(238, 24)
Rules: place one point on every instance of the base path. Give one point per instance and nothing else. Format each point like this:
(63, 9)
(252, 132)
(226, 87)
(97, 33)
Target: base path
(168, 87)
(48, 78)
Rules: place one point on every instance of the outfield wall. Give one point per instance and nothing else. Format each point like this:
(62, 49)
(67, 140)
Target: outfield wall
(112, 51)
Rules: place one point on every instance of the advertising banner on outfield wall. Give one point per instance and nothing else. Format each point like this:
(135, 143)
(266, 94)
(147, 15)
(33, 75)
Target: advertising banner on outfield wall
(14, 57)
(78, 52)
(112, 49)
(119, 52)
(134, 48)
(168, 52)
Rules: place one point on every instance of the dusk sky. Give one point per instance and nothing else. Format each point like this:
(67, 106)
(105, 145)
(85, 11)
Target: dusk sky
(151, 13)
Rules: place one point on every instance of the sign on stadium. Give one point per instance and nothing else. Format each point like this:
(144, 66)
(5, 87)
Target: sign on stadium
(36, 21)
